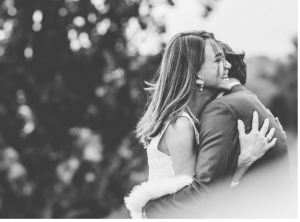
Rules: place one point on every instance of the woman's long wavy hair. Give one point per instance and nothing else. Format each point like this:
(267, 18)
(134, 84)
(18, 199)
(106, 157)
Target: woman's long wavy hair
(173, 83)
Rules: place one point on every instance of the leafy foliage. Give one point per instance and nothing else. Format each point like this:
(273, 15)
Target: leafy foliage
(70, 96)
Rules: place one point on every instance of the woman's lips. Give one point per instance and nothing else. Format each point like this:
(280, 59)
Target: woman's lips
(225, 77)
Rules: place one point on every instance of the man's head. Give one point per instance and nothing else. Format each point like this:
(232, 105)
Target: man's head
(238, 68)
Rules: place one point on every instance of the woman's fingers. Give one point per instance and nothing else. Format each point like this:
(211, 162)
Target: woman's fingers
(270, 134)
(265, 126)
(255, 121)
(241, 128)
(271, 144)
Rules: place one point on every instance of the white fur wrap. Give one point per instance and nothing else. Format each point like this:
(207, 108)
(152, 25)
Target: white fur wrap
(149, 190)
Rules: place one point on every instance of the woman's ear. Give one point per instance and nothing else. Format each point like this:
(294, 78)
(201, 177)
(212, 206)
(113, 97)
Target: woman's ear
(200, 78)
(200, 74)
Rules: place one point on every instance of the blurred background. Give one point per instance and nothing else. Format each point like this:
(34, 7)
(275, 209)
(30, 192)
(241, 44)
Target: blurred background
(71, 91)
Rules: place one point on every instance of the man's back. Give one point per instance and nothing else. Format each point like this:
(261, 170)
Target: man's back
(264, 190)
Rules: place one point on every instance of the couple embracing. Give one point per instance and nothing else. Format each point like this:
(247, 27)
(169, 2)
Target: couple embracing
(214, 150)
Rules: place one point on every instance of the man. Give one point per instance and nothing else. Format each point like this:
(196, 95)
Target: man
(263, 191)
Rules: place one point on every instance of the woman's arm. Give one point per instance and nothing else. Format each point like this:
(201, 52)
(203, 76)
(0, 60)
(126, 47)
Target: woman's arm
(180, 140)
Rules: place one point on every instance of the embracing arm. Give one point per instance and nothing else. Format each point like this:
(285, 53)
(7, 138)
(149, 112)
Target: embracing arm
(216, 163)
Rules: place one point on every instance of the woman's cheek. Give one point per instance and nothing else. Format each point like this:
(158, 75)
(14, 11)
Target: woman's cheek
(211, 83)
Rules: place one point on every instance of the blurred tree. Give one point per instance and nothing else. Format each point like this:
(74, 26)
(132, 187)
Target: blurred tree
(70, 95)
(285, 103)
(275, 83)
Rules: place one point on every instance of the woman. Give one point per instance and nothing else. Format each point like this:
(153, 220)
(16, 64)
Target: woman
(169, 129)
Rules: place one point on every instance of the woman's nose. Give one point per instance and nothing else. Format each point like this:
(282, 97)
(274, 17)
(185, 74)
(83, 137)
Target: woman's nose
(227, 65)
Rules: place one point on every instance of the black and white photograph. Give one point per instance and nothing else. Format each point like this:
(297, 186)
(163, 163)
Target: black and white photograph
(149, 109)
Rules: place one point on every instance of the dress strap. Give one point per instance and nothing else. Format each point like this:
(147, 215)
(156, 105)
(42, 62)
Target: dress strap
(185, 114)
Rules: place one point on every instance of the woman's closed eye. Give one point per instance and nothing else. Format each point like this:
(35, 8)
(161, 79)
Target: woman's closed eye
(219, 57)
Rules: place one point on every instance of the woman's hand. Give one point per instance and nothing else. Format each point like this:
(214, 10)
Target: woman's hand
(253, 145)
(256, 143)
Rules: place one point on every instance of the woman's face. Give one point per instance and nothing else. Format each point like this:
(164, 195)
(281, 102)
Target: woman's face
(214, 70)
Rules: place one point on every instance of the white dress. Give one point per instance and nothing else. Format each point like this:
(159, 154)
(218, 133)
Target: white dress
(161, 180)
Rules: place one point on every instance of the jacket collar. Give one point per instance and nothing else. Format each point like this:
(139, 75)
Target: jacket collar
(235, 88)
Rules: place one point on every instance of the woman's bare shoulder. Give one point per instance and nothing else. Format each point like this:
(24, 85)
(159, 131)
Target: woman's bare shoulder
(180, 142)
(182, 123)
(180, 130)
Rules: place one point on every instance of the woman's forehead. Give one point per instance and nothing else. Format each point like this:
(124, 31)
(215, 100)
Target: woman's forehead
(216, 47)
(212, 48)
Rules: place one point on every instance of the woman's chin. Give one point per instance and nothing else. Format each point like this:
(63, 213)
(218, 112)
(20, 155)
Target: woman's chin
(225, 86)
(228, 87)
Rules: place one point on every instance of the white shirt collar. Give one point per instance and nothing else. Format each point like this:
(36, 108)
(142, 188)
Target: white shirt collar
(234, 83)
(231, 84)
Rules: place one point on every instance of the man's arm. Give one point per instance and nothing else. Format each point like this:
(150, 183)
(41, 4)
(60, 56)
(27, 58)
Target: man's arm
(216, 163)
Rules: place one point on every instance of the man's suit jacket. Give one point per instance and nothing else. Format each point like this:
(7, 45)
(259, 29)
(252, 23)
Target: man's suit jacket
(264, 190)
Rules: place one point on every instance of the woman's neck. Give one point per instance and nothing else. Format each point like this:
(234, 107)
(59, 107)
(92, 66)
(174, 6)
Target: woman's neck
(200, 99)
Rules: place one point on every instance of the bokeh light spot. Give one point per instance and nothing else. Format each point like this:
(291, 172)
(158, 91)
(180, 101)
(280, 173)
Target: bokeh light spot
(36, 27)
(100, 91)
(103, 26)
(72, 34)
(12, 11)
(90, 177)
(63, 12)
(28, 52)
(79, 21)
(8, 4)
(2, 35)
(37, 16)
(100, 6)
(75, 45)
(92, 17)
(84, 40)
(8, 25)
(29, 127)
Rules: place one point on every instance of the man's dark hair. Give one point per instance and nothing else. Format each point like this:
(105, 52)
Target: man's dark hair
(238, 68)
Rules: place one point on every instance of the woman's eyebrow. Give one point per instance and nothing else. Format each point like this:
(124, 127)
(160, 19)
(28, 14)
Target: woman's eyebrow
(219, 54)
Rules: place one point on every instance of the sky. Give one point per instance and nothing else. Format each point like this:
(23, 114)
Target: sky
(258, 27)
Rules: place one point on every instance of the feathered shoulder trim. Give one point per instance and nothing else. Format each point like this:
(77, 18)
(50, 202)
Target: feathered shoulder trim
(149, 190)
